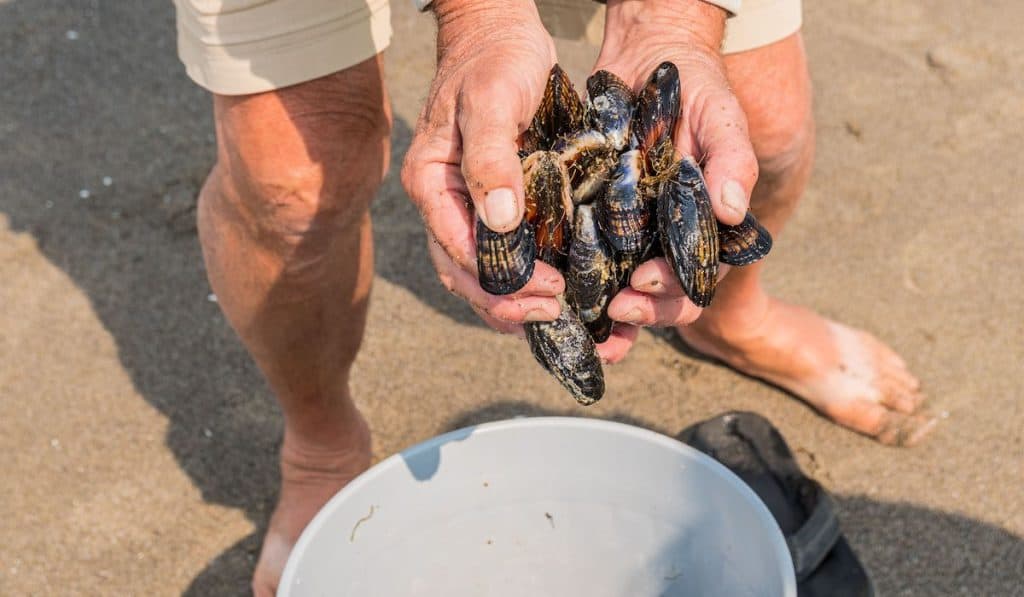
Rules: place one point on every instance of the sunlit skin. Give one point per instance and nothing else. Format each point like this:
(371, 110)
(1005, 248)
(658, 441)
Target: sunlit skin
(285, 226)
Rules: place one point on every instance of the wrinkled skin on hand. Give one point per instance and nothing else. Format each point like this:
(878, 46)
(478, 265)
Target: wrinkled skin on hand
(489, 79)
(493, 63)
(640, 35)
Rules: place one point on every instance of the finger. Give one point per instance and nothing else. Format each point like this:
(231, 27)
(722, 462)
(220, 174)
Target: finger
(509, 309)
(489, 121)
(637, 308)
(503, 327)
(440, 197)
(617, 346)
(656, 278)
(721, 141)
(436, 187)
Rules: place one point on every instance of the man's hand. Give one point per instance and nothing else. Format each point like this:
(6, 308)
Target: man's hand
(493, 62)
(640, 35)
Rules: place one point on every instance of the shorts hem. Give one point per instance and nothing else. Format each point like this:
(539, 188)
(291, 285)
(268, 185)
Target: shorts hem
(288, 59)
(763, 25)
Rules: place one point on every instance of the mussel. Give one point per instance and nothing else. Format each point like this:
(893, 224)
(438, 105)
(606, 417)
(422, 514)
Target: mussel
(565, 348)
(505, 260)
(561, 113)
(592, 277)
(744, 243)
(589, 159)
(604, 192)
(689, 231)
(610, 105)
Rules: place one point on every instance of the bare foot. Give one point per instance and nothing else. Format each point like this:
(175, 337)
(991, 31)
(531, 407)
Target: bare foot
(309, 477)
(846, 374)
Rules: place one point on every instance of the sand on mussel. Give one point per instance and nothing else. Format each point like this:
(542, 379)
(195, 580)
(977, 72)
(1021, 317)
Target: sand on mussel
(605, 191)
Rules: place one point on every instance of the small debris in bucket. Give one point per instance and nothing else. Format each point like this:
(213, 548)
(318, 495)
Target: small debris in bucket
(489, 542)
(674, 576)
(486, 484)
(550, 518)
(352, 535)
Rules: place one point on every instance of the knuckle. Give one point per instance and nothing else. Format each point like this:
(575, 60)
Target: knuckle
(484, 89)
(410, 174)
(447, 280)
(481, 164)
(503, 310)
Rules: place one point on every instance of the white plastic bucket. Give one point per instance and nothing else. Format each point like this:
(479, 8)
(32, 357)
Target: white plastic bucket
(539, 507)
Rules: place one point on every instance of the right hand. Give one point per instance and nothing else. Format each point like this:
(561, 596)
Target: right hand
(493, 62)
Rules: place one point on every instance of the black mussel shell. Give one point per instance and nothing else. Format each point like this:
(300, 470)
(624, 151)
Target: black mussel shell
(561, 113)
(548, 206)
(689, 231)
(623, 213)
(564, 347)
(657, 108)
(592, 279)
(610, 105)
(744, 243)
(505, 260)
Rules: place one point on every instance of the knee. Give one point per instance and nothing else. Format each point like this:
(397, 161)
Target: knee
(785, 144)
(306, 164)
(294, 195)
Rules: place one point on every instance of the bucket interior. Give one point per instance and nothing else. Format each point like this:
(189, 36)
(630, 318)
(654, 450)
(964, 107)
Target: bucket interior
(544, 506)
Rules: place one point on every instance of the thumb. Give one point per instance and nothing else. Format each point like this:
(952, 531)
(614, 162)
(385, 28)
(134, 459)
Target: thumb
(730, 165)
(490, 121)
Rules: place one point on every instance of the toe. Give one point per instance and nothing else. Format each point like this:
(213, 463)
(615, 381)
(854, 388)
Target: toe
(901, 398)
(874, 419)
(905, 430)
(893, 376)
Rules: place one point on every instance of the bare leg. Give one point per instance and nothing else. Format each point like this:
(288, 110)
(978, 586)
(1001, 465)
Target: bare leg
(285, 229)
(847, 374)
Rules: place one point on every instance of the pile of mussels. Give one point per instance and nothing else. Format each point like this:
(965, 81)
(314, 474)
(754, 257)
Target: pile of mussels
(603, 194)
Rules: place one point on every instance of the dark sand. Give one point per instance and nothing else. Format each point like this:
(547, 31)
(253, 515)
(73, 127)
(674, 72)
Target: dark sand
(138, 440)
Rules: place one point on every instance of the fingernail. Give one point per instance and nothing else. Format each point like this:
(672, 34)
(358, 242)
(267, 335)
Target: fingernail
(734, 198)
(643, 283)
(539, 315)
(499, 209)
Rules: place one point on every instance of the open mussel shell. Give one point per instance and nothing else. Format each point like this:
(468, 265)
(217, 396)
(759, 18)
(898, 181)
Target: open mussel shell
(656, 112)
(564, 347)
(689, 232)
(504, 260)
(592, 278)
(561, 113)
(548, 206)
(610, 104)
(744, 243)
(588, 160)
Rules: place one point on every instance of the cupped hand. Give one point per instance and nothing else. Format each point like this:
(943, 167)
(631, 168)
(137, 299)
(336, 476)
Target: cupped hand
(493, 62)
(640, 35)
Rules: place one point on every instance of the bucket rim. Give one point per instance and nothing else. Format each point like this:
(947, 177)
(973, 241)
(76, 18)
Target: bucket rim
(623, 429)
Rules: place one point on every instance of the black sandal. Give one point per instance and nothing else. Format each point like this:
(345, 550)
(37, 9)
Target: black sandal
(754, 450)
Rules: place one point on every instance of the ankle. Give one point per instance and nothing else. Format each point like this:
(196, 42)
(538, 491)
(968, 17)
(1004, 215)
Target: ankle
(340, 449)
(733, 321)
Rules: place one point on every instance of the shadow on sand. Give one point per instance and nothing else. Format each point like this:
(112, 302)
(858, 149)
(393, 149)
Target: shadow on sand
(132, 249)
(909, 549)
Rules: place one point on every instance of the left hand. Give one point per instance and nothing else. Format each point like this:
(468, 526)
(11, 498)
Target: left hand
(640, 35)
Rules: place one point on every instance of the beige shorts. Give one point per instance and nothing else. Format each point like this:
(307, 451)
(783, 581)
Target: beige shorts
(233, 47)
